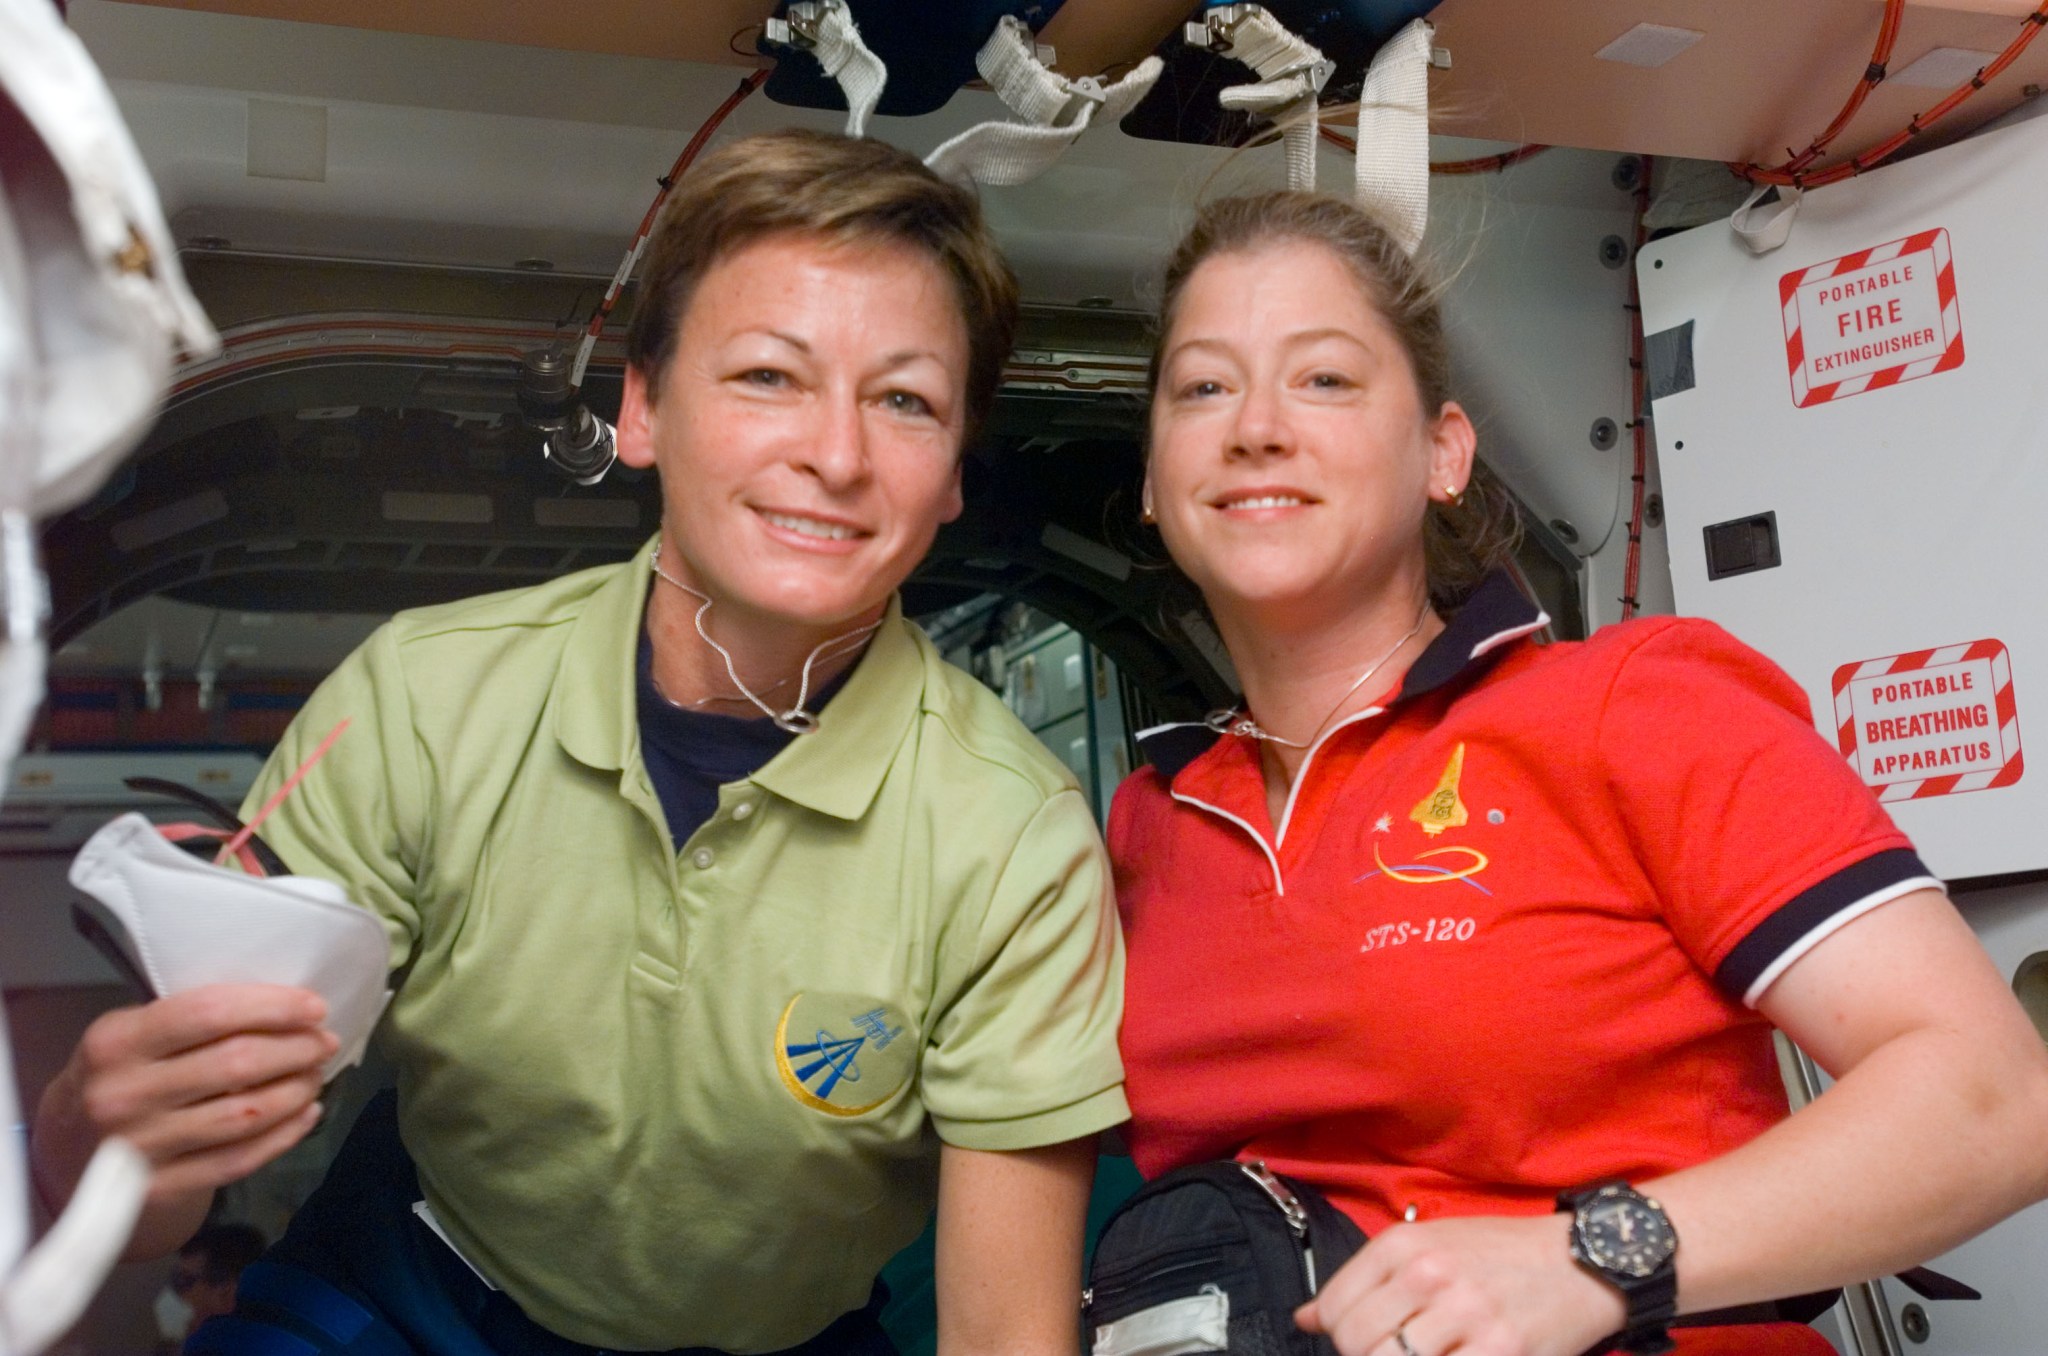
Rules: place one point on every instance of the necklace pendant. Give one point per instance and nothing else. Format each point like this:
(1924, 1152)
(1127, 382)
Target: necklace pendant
(797, 721)
(1235, 723)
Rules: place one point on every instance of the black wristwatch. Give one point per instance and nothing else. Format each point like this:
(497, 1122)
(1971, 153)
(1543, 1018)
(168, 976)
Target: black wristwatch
(1625, 1238)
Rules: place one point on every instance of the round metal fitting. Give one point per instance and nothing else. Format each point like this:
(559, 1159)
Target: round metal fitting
(1628, 173)
(1566, 533)
(1653, 510)
(1913, 1322)
(544, 376)
(1604, 434)
(1613, 251)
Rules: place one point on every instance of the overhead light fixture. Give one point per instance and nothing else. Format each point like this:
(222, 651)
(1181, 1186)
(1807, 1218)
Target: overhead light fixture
(1944, 68)
(1649, 45)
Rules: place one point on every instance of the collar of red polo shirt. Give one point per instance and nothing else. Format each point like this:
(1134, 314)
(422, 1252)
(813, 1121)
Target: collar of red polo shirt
(1497, 614)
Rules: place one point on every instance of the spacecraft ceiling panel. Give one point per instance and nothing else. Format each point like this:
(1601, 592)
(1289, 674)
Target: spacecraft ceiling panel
(1763, 75)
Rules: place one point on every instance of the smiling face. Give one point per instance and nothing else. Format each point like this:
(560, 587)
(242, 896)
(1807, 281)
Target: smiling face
(808, 428)
(1292, 460)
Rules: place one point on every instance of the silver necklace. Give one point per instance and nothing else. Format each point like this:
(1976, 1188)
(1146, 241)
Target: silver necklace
(797, 719)
(1238, 722)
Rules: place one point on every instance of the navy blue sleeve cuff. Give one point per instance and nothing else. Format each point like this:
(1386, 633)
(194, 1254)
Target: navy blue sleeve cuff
(1803, 921)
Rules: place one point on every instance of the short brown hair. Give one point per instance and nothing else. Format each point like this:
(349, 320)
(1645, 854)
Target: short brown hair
(1460, 542)
(224, 1250)
(842, 189)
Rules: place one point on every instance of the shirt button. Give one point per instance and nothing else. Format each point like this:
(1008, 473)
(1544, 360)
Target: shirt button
(702, 859)
(743, 810)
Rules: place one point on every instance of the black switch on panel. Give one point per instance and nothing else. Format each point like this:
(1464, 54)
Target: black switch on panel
(1742, 545)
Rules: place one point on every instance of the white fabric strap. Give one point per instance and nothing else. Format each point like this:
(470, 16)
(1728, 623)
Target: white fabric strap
(1393, 135)
(49, 1290)
(1763, 228)
(1009, 61)
(1056, 110)
(92, 303)
(1292, 74)
(826, 30)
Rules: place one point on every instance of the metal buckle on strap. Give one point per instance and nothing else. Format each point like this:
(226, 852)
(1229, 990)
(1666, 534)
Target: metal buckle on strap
(1214, 28)
(799, 25)
(1297, 1217)
(1088, 88)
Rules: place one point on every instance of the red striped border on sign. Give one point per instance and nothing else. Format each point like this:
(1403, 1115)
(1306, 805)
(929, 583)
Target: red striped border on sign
(2004, 704)
(1934, 241)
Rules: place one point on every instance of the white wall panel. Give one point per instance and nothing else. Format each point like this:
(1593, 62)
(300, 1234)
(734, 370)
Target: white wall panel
(1908, 514)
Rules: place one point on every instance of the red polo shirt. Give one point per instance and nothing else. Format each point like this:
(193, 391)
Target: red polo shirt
(1509, 934)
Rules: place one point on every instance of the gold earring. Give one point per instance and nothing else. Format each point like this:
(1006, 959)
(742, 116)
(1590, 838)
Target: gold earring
(1145, 513)
(1455, 495)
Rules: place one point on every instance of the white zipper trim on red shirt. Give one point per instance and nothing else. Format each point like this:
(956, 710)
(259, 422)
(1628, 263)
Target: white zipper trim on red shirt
(1301, 773)
(1272, 858)
(1494, 641)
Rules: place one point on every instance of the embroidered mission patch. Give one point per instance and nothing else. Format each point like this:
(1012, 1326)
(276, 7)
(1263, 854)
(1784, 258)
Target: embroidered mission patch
(843, 1054)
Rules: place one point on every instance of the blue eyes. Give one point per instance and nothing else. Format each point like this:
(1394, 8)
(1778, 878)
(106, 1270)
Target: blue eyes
(1321, 381)
(907, 402)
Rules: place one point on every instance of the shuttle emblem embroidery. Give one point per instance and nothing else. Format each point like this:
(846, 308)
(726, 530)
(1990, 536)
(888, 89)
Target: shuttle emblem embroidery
(1421, 871)
(1442, 809)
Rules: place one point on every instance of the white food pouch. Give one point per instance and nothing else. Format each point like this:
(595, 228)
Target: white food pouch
(181, 922)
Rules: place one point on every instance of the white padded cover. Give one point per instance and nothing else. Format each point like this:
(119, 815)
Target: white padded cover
(193, 923)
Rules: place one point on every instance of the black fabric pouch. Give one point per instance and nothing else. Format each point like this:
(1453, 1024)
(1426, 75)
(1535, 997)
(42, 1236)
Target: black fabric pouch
(1214, 1257)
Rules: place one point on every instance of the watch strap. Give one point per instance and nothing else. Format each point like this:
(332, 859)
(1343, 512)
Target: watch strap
(1652, 1304)
(1652, 1300)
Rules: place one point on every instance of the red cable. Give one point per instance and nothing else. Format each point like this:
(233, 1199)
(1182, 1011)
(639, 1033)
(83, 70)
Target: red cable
(1485, 164)
(733, 100)
(1793, 173)
(1632, 570)
(233, 846)
(1488, 164)
(1880, 55)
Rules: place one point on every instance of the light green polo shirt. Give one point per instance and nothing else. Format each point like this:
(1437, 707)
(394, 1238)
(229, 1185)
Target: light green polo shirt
(674, 1099)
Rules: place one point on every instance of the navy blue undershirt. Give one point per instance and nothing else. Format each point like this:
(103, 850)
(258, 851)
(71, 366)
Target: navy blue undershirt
(691, 753)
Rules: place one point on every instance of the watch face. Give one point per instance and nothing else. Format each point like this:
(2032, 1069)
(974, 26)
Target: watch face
(1621, 1234)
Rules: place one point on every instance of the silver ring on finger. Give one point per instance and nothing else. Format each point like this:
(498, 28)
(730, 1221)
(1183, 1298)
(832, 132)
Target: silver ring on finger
(1401, 1341)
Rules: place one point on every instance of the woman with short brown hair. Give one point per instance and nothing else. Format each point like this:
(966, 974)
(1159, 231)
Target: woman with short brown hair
(735, 932)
